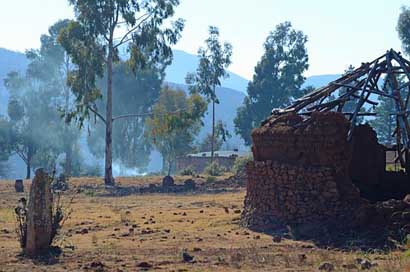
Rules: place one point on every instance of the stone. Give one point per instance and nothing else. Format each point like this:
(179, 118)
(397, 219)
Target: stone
(144, 265)
(19, 186)
(39, 215)
(189, 185)
(326, 266)
(186, 257)
(168, 181)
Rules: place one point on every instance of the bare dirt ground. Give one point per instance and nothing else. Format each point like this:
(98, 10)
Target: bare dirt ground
(152, 231)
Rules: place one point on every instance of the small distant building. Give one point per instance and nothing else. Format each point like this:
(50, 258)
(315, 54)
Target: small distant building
(199, 161)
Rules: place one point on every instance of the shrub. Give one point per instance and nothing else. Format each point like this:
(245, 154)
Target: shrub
(214, 169)
(240, 164)
(189, 171)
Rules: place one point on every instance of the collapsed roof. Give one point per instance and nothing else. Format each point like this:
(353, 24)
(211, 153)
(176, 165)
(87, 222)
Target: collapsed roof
(376, 78)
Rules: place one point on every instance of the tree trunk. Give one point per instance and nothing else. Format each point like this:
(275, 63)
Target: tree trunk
(28, 168)
(213, 129)
(169, 168)
(108, 178)
(68, 142)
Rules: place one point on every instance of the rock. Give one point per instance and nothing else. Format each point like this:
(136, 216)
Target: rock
(326, 266)
(39, 215)
(186, 257)
(277, 239)
(407, 199)
(144, 265)
(168, 181)
(365, 265)
(97, 266)
(302, 257)
(84, 231)
(189, 185)
(19, 186)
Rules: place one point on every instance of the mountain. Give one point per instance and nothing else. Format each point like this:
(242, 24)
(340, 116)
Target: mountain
(184, 63)
(9, 61)
(320, 80)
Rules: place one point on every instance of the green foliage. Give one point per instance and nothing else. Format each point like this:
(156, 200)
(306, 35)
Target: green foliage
(130, 94)
(221, 136)
(213, 62)
(175, 122)
(214, 169)
(37, 98)
(277, 80)
(385, 122)
(240, 164)
(91, 41)
(189, 171)
(403, 29)
(210, 179)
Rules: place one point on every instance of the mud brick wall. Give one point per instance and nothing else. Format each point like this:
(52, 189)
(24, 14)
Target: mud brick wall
(300, 173)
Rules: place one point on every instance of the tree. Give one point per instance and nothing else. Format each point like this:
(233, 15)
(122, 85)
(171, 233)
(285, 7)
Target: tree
(277, 80)
(403, 29)
(33, 122)
(385, 121)
(213, 62)
(175, 122)
(221, 136)
(130, 93)
(51, 66)
(93, 43)
(5, 150)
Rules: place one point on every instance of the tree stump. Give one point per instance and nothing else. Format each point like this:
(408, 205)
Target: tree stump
(19, 186)
(39, 215)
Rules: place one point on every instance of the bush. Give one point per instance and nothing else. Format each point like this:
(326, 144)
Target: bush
(189, 171)
(240, 164)
(214, 169)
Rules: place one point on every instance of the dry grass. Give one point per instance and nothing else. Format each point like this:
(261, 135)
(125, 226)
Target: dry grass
(206, 226)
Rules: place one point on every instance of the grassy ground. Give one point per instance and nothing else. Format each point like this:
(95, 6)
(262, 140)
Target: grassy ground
(117, 234)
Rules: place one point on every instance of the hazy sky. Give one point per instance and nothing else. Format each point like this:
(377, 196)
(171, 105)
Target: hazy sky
(340, 32)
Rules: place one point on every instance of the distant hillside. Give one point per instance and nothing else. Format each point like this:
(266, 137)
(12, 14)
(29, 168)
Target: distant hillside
(9, 61)
(320, 80)
(185, 63)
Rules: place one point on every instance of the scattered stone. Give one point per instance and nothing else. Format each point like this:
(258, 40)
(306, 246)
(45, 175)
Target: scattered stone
(186, 257)
(189, 185)
(237, 211)
(277, 239)
(326, 266)
(144, 265)
(302, 258)
(19, 186)
(197, 249)
(168, 181)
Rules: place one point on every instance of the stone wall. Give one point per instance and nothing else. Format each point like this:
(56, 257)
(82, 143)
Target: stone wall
(198, 164)
(300, 173)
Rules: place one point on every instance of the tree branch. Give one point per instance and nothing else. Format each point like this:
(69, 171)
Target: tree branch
(97, 114)
(124, 38)
(147, 114)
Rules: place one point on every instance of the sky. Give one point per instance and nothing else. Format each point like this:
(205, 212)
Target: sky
(339, 32)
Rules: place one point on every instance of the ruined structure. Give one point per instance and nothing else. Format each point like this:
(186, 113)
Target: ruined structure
(314, 164)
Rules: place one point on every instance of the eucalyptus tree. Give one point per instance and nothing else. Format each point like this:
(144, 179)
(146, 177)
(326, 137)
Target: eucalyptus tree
(214, 59)
(93, 41)
(277, 80)
(175, 122)
(50, 65)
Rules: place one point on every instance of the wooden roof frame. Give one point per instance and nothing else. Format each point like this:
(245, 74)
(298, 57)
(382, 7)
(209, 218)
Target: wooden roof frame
(358, 86)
